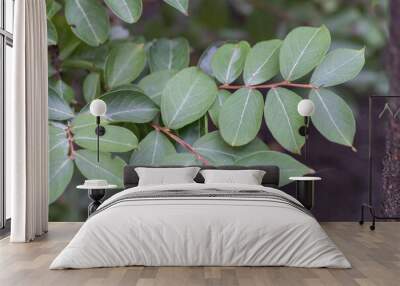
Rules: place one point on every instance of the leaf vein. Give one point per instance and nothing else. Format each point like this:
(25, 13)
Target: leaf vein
(332, 119)
(184, 100)
(262, 65)
(241, 118)
(97, 166)
(302, 53)
(288, 120)
(87, 21)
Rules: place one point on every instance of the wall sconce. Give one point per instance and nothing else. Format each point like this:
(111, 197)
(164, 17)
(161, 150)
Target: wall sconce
(98, 108)
(305, 108)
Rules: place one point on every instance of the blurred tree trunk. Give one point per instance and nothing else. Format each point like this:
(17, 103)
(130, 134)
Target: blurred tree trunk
(391, 161)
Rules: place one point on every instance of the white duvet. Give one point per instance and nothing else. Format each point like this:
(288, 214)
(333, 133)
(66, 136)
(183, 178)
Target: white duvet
(200, 231)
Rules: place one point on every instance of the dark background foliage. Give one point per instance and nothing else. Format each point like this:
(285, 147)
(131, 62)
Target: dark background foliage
(354, 24)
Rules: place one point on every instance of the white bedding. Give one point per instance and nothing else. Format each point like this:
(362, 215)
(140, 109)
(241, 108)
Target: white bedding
(200, 231)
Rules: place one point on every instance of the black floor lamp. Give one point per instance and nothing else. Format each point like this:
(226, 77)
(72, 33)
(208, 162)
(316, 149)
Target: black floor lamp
(98, 108)
(372, 160)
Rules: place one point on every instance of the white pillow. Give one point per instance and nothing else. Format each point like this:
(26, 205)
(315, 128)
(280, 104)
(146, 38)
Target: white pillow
(247, 177)
(163, 176)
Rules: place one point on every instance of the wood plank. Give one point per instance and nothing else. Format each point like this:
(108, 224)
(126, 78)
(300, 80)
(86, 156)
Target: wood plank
(375, 257)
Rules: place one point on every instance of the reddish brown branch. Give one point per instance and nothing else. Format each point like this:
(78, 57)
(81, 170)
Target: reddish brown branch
(180, 141)
(271, 85)
(70, 138)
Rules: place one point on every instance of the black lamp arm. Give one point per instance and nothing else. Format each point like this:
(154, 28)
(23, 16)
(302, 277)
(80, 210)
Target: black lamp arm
(100, 131)
(303, 131)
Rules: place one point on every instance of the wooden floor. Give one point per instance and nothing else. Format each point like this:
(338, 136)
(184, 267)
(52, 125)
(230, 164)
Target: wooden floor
(375, 257)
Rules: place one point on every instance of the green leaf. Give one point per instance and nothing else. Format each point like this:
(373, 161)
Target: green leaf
(338, 67)
(240, 116)
(228, 61)
(79, 64)
(213, 148)
(97, 56)
(222, 95)
(58, 138)
(88, 20)
(255, 146)
(85, 120)
(63, 90)
(190, 133)
(181, 159)
(180, 5)
(69, 48)
(129, 104)
(109, 168)
(91, 86)
(333, 118)
(58, 107)
(187, 97)
(127, 87)
(204, 62)
(52, 8)
(124, 64)
(52, 36)
(61, 169)
(262, 62)
(127, 10)
(282, 118)
(303, 49)
(152, 149)
(60, 165)
(154, 84)
(288, 166)
(67, 41)
(116, 139)
(170, 54)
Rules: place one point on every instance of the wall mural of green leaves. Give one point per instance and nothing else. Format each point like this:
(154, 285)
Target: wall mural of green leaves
(159, 105)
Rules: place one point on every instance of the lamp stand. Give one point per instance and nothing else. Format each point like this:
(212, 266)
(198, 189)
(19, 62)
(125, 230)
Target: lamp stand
(100, 131)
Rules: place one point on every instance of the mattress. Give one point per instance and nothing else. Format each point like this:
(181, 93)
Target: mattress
(201, 225)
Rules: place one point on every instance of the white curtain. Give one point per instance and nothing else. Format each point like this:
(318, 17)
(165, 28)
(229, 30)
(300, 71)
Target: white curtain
(26, 124)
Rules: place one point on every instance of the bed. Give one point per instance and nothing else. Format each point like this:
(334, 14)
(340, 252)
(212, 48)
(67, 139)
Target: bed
(197, 224)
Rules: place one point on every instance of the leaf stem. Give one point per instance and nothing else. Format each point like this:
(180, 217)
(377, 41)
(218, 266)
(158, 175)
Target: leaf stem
(180, 141)
(70, 138)
(271, 85)
(80, 64)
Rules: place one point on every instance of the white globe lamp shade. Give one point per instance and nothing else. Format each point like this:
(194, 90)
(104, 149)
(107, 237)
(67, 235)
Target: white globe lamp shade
(305, 107)
(98, 107)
